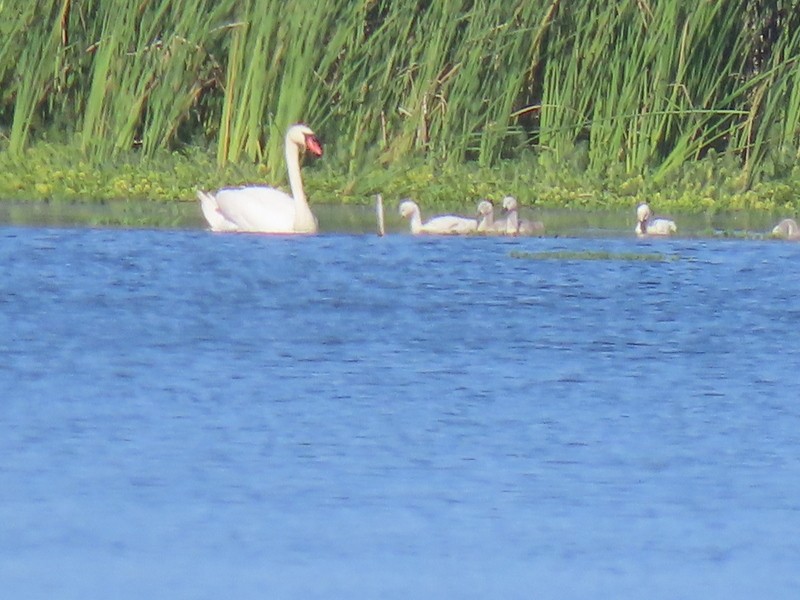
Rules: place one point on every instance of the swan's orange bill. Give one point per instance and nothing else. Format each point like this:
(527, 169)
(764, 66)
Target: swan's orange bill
(313, 145)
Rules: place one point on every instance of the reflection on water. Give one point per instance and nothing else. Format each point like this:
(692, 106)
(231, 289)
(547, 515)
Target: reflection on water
(190, 415)
(362, 219)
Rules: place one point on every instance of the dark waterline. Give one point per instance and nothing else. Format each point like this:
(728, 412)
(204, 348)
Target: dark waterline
(190, 415)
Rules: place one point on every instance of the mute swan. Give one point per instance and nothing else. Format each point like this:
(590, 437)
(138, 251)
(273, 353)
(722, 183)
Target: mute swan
(517, 226)
(264, 209)
(442, 225)
(787, 229)
(486, 223)
(647, 225)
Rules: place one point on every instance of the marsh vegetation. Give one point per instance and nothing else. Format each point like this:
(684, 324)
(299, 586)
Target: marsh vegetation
(693, 106)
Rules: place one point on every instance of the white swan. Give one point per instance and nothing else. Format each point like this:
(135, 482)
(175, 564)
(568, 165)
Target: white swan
(517, 226)
(442, 225)
(787, 229)
(647, 225)
(264, 209)
(486, 222)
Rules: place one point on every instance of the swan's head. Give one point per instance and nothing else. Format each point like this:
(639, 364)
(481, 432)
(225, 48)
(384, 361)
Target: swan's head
(485, 207)
(509, 203)
(408, 208)
(643, 213)
(304, 138)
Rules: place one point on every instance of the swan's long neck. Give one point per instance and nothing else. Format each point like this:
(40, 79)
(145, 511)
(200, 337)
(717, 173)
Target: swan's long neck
(303, 217)
(416, 221)
(486, 222)
(512, 222)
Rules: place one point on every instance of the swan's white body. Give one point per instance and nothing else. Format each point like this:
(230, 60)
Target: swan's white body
(486, 222)
(517, 226)
(647, 225)
(442, 225)
(262, 209)
(787, 229)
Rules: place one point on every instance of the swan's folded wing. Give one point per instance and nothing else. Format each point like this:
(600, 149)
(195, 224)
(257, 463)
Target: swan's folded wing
(216, 220)
(257, 209)
(661, 227)
(531, 227)
(450, 224)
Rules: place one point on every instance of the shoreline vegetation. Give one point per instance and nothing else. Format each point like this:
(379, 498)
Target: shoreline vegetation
(583, 106)
(46, 172)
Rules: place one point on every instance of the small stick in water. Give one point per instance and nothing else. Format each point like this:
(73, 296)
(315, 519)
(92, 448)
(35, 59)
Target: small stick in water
(379, 212)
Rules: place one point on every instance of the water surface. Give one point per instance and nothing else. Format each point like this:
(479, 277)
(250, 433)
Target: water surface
(190, 415)
(582, 222)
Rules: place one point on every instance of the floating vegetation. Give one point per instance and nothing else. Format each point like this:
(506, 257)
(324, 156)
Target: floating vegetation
(592, 255)
(734, 234)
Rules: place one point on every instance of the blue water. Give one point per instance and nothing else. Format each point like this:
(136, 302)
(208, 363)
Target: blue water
(189, 415)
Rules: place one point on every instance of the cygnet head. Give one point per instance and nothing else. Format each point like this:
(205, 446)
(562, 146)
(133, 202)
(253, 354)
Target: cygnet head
(643, 213)
(509, 203)
(408, 208)
(485, 207)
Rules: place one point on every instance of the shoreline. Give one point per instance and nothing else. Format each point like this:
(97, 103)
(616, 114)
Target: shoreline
(360, 219)
(54, 184)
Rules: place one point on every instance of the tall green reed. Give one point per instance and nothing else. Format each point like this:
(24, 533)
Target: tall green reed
(30, 55)
(150, 66)
(644, 86)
